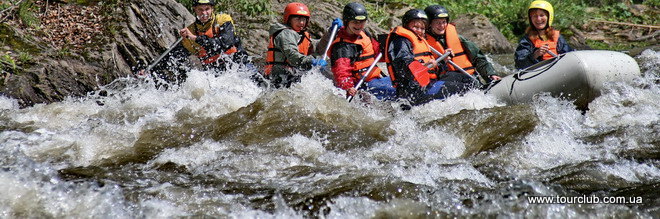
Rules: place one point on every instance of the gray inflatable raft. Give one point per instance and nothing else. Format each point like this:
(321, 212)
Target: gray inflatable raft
(578, 76)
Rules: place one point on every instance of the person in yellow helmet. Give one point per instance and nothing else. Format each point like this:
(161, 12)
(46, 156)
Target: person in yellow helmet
(211, 38)
(541, 40)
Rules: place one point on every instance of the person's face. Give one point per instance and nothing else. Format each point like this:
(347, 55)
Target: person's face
(439, 26)
(418, 26)
(203, 12)
(539, 18)
(356, 27)
(298, 23)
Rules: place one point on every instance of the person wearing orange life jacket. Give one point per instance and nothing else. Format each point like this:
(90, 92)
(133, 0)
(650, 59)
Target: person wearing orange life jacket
(443, 37)
(290, 48)
(353, 51)
(540, 39)
(211, 38)
(406, 48)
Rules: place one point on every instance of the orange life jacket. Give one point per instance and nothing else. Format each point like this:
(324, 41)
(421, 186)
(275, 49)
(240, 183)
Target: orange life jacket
(211, 32)
(303, 48)
(365, 60)
(552, 44)
(454, 43)
(421, 50)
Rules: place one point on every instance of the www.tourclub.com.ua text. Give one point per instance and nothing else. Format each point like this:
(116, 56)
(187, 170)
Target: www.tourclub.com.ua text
(584, 200)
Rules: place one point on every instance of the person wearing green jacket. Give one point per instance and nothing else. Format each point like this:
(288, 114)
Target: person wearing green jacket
(443, 37)
(290, 48)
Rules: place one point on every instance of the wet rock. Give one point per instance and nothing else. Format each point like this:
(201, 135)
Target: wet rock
(478, 29)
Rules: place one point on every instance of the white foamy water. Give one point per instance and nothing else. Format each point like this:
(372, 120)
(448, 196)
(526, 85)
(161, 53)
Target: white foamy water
(341, 160)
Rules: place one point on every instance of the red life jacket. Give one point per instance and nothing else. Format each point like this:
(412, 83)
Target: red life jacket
(421, 52)
(454, 43)
(303, 48)
(365, 60)
(552, 44)
(211, 32)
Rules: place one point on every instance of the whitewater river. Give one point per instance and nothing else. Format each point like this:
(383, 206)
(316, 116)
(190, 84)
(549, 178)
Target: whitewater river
(220, 146)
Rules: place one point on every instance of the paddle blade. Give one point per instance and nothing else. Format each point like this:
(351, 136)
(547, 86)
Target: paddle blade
(420, 72)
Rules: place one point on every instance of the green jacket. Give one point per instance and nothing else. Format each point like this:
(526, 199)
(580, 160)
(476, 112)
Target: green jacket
(475, 55)
(287, 42)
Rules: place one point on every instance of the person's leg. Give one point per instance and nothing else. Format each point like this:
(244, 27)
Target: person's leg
(382, 88)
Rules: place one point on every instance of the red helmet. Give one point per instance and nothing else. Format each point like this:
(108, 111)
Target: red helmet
(295, 8)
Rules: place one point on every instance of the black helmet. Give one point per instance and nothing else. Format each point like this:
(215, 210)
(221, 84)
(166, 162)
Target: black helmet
(413, 14)
(354, 11)
(436, 11)
(203, 2)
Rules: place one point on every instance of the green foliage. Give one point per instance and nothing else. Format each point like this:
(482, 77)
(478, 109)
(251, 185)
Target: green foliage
(652, 3)
(64, 52)
(7, 62)
(378, 14)
(27, 13)
(25, 58)
(249, 7)
(4, 5)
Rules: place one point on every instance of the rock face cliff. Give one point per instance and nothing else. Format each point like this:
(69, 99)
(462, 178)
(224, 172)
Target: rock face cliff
(138, 35)
(143, 29)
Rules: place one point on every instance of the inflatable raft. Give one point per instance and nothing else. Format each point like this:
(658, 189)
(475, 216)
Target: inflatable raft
(578, 76)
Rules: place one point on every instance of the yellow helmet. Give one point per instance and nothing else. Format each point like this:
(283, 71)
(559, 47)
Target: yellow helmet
(540, 4)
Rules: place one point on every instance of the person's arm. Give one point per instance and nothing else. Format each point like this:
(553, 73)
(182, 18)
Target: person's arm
(524, 55)
(342, 67)
(562, 46)
(287, 41)
(477, 58)
(400, 51)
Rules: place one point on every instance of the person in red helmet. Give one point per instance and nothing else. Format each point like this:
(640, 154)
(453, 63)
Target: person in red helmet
(353, 51)
(290, 47)
(211, 38)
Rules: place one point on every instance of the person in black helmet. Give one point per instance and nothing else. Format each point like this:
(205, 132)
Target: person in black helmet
(411, 64)
(353, 51)
(443, 37)
(211, 38)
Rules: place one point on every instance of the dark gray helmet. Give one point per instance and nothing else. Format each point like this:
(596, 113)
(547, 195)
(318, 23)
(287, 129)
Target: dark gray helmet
(413, 14)
(354, 11)
(436, 11)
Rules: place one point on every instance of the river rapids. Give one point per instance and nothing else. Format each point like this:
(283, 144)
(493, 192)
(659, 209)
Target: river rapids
(218, 145)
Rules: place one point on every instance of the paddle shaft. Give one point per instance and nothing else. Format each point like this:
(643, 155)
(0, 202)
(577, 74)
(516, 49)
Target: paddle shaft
(455, 65)
(163, 55)
(366, 74)
(552, 54)
(332, 38)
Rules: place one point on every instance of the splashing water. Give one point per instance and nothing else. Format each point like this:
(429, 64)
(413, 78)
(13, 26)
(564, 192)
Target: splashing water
(219, 145)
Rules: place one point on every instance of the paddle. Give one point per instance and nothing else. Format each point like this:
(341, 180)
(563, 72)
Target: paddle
(458, 67)
(161, 56)
(552, 54)
(332, 38)
(366, 74)
(421, 72)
